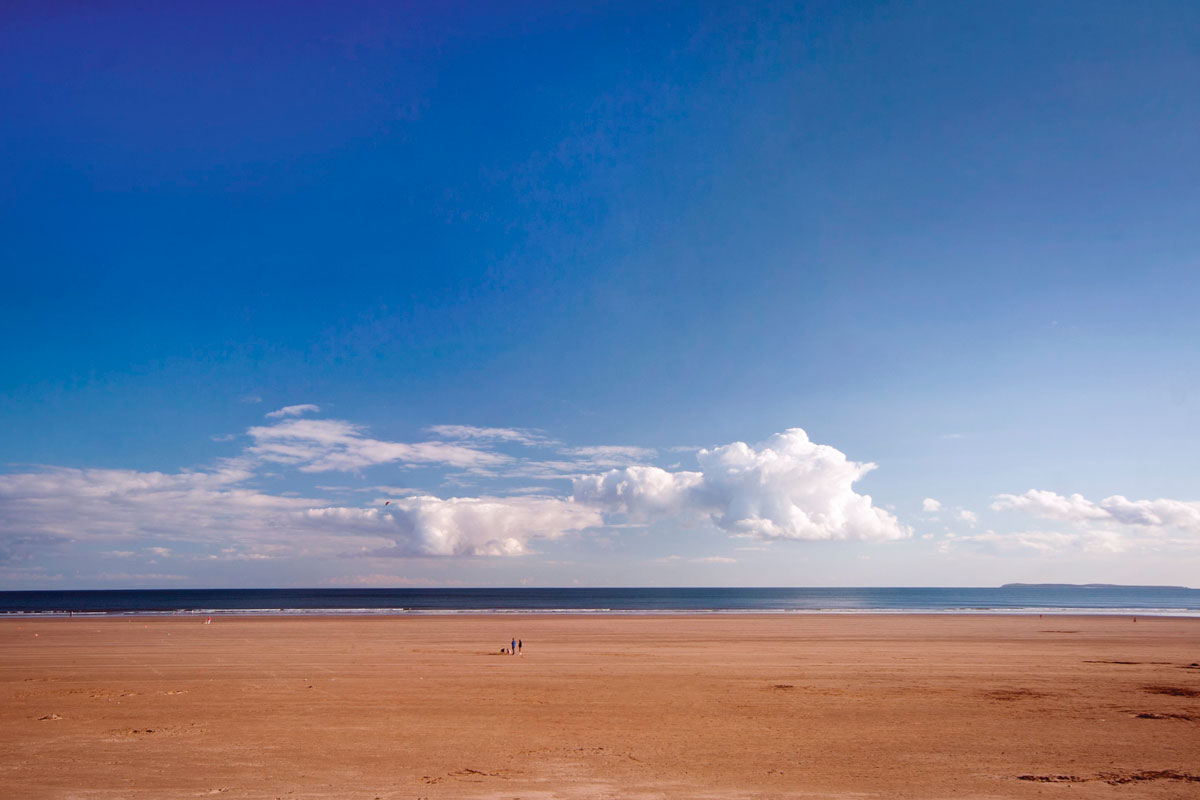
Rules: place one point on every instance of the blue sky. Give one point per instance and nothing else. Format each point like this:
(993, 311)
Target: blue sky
(608, 242)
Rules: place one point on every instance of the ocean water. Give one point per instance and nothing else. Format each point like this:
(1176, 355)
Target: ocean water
(1145, 600)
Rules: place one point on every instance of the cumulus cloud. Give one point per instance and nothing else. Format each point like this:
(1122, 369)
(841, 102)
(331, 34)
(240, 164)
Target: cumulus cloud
(930, 505)
(1161, 513)
(969, 517)
(641, 492)
(462, 526)
(787, 488)
(321, 445)
(294, 411)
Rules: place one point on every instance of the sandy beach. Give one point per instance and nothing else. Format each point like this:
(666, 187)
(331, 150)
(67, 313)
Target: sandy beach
(601, 706)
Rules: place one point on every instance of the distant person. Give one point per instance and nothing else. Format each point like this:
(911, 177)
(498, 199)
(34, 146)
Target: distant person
(513, 649)
(520, 644)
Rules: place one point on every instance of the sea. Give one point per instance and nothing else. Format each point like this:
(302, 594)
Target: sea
(1009, 599)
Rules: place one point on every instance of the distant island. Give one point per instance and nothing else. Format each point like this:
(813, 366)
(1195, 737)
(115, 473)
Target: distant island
(1083, 586)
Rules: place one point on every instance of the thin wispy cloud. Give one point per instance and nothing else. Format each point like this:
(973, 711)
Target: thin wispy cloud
(294, 411)
(1038, 543)
(323, 445)
(471, 433)
(611, 455)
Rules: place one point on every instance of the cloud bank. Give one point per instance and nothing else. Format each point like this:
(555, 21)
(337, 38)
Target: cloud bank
(786, 488)
(57, 508)
(67, 506)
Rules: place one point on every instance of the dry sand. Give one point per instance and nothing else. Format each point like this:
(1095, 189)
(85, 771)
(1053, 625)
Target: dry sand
(601, 706)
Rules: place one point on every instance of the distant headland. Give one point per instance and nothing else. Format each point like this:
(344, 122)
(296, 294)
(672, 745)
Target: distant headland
(1083, 586)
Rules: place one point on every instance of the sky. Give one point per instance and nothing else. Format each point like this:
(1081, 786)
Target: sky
(599, 294)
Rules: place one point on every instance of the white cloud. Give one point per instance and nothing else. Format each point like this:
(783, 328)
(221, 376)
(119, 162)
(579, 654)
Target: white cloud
(1161, 513)
(294, 411)
(1112, 525)
(1049, 505)
(969, 517)
(930, 505)
(714, 560)
(321, 445)
(461, 526)
(789, 488)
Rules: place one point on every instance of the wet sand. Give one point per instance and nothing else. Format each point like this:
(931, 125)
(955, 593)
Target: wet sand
(804, 706)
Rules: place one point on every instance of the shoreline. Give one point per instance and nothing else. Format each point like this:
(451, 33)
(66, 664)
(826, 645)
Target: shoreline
(589, 613)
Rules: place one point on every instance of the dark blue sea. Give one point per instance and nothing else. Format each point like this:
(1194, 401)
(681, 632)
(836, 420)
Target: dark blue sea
(1041, 599)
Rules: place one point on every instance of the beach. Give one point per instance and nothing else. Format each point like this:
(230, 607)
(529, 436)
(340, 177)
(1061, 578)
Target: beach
(636, 706)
